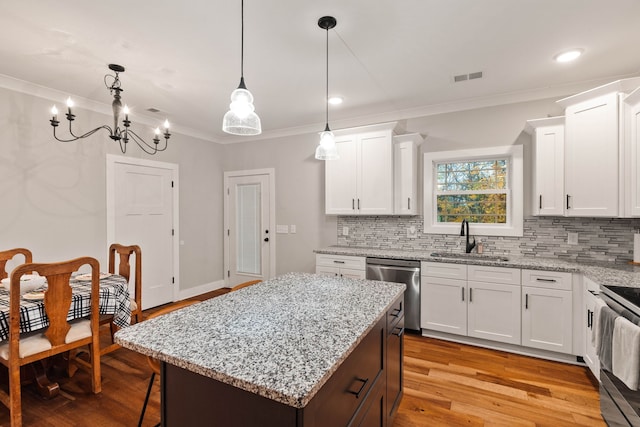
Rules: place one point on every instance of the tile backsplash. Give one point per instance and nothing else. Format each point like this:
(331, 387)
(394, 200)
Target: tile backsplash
(599, 239)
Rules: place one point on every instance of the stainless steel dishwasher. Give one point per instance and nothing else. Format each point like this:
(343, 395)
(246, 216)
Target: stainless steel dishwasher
(400, 271)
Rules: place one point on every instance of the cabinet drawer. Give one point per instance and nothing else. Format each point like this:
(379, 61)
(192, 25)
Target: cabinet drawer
(505, 275)
(341, 261)
(339, 399)
(444, 270)
(546, 279)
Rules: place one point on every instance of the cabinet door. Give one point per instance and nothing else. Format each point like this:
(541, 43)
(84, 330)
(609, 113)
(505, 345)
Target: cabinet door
(633, 142)
(549, 170)
(327, 271)
(375, 174)
(591, 157)
(547, 319)
(590, 355)
(340, 178)
(352, 274)
(494, 312)
(395, 350)
(405, 170)
(443, 305)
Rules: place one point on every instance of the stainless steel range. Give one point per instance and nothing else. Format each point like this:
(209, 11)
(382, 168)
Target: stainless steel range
(619, 405)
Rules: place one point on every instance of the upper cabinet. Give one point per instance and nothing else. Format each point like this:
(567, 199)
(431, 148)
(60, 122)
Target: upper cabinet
(376, 173)
(405, 158)
(632, 152)
(595, 176)
(548, 165)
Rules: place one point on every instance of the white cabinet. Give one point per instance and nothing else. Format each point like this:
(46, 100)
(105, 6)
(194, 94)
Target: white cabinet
(632, 150)
(547, 313)
(594, 169)
(590, 290)
(341, 265)
(493, 308)
(360, 182)
(476, 301)
(405, 169)
(443, 305)
(548, 165)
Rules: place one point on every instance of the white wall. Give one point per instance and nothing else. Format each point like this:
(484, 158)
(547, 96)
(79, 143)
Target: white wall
(53, 195)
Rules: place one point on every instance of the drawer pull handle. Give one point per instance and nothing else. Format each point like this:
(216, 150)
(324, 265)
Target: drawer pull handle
(364, 383)
(396, 312)
(400, 331)
(545, 280)
(589, 319)
(338, 262)
(526, 301)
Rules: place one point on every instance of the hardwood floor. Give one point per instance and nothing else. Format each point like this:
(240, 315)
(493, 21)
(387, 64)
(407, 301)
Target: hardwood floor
(446, 384)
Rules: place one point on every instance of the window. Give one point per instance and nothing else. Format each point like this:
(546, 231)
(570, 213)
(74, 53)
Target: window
(483, 186)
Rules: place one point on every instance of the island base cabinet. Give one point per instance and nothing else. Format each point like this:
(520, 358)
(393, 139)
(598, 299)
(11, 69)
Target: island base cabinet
(354, 395)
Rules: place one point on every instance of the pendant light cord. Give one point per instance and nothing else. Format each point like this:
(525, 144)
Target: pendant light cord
(326, 100)
(242, 40)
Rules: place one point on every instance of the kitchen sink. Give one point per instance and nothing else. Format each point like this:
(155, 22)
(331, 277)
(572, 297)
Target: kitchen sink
(469, 256)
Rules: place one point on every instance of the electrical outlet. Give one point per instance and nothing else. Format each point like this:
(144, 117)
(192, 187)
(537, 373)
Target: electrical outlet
(345, 231)
(412, 232)
(292, 229)
(572, 238)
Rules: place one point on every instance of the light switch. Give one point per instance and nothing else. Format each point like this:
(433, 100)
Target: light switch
(282, 229)
(572, 238)
(292, 228)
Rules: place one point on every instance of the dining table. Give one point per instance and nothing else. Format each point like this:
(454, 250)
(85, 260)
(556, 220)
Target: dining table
(114, 300)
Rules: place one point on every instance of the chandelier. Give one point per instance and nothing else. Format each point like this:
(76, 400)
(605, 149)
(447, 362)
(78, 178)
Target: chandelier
(121, 134)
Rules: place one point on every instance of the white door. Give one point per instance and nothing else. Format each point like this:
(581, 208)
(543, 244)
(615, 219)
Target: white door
(375, 174)
(249, 223)
(142, 209)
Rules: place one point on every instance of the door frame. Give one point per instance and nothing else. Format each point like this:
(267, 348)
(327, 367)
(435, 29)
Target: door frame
(112, 160)
(271, 172)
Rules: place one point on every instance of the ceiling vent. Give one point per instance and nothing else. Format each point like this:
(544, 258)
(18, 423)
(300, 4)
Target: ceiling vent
(470, 76)
(153, 110)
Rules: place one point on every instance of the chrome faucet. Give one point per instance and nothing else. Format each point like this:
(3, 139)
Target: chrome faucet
(471, 245)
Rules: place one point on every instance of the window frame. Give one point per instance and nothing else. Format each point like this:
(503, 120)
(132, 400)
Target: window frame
(515, 190)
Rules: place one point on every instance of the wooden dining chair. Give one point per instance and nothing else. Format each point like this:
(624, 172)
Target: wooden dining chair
(124, 269)
(8, 255)
(60, 335)
(244, 285)
(153, 363)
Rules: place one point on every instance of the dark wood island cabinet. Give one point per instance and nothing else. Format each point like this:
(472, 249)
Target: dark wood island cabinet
(333, 360)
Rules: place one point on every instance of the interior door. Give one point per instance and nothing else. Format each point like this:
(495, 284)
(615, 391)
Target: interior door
(143, 215)
(249, 227)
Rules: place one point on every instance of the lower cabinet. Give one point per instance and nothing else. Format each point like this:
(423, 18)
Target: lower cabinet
(481, 302)
(395, 352)
(547, 310)
(353, 267)
(591, 300)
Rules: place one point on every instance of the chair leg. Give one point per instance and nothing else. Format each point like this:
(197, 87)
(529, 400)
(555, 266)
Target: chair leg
(15, 396)
(146, 399)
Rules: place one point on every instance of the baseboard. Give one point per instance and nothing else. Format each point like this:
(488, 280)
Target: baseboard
(509, 348)
(199, 290)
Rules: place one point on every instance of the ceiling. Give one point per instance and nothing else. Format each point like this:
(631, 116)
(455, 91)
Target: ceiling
(389, 59)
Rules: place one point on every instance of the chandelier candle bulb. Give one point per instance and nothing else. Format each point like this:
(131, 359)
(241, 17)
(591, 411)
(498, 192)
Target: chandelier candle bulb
(54, 112)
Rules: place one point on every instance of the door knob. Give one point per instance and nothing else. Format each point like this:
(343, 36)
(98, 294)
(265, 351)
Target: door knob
(266, 239)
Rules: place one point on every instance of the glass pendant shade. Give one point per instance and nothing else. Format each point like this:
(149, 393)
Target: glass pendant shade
(327, 149)
(241, 118)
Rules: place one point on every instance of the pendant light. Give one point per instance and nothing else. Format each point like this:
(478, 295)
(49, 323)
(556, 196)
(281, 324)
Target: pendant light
(241, 118)
(327, 149)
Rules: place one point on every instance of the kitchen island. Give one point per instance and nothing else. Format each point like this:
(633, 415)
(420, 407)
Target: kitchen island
(299, 350)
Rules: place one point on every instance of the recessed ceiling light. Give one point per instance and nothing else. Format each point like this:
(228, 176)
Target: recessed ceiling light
(568, 55)
(336, 100)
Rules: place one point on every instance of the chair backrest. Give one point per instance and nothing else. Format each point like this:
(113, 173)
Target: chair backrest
(124, 266)
(245, 284)
(8, 255)
(57, 298)
(153, 363)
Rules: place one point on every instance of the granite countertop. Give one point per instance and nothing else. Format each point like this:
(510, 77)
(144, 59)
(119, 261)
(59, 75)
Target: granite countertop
(603, 273)
(281, 339)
